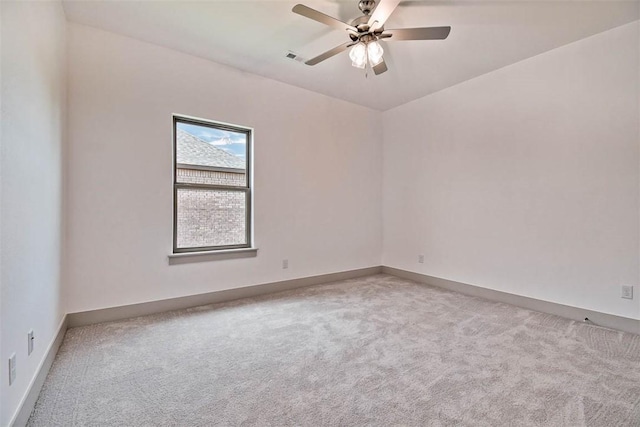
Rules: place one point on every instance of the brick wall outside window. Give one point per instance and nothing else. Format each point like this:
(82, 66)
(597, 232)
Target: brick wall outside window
(194, 176)
(210, 217)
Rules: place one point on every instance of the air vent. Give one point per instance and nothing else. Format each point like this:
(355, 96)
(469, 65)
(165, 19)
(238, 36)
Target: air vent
(290, 55)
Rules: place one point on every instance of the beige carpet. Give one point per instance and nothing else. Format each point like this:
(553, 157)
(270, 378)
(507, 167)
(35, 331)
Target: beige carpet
(372, 351)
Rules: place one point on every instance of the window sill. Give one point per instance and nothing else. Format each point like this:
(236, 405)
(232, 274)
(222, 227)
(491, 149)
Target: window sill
(189, 257)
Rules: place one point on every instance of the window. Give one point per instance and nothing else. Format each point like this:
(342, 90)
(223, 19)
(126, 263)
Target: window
(212, 186)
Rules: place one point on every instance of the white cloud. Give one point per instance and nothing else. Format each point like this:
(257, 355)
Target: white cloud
(227, 140)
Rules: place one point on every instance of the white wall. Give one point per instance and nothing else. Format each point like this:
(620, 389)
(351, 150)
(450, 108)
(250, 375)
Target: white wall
(524, 180)
(318, 171)
(33, 60)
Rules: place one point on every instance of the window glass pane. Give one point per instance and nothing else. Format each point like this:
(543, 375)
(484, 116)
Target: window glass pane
(207, 155)
(209, 217)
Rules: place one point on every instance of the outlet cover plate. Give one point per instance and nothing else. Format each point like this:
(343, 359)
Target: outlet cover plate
(30, 342)
(627, 292)
(12, 369)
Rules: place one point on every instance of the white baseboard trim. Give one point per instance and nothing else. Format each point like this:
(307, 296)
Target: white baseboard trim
(142, 309)
(28, 402)
(601, 319)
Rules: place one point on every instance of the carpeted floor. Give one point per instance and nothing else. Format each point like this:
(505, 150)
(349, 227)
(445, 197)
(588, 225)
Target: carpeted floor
(372, 351)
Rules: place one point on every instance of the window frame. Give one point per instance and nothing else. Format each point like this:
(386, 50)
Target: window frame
(247, 188)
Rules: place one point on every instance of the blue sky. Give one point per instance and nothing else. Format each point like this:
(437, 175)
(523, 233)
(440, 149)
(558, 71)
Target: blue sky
(233, 142)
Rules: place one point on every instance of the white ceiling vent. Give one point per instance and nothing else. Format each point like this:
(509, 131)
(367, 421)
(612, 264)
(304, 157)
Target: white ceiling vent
(294, 56)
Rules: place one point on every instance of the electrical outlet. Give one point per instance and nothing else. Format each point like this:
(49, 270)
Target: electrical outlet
(30, 339)
(421, 259)
(12, 369)
(285, 264)
(626, 292)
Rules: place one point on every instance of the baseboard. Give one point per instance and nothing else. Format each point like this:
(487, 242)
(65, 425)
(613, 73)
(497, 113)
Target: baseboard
(601, 319)
(135, 310)
(25, 408)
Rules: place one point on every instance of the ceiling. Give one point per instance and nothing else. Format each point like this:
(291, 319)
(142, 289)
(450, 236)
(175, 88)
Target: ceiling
(255, 36)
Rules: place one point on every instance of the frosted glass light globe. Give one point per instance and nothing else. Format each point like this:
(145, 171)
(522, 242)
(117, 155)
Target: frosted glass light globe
(358, 55)
(374, 51)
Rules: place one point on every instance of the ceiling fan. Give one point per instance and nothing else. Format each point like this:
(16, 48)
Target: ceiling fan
(365, 32)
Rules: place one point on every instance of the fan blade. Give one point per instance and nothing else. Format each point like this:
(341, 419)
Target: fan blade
(380, 68)
(382, 12)
(307, 12)
(328, 54)
(427, 33)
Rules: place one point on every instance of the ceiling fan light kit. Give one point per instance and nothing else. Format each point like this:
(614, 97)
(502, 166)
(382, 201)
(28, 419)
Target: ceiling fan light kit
(366, 53)
(365, 32)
